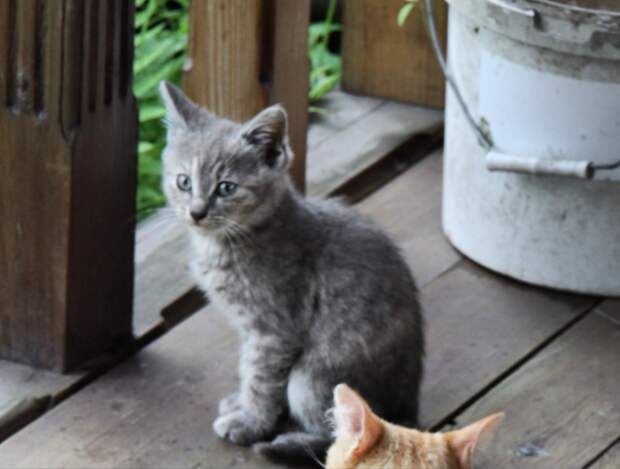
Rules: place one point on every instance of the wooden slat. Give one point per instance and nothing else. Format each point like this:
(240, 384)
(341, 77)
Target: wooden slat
(417, 228)
(610, 309)
(562, 408)
(479, 325)
(157, 408)
(289, 74)
(66, 241)
(162, 273)
(337, 160)
(161, 261)
(21, 382)
(224, 57)
(245, 54)
(379, 58)
(610, 460)
(341, 110)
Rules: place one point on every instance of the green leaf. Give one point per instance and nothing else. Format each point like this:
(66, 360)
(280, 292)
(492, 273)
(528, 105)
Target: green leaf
(322, 87)
(404, 12)
(318, 110)
(160, 44)
(149, 112)
(149, 84)
(162, 52)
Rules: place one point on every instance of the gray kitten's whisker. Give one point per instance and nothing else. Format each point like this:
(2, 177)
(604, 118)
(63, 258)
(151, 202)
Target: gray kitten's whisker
(313, 455)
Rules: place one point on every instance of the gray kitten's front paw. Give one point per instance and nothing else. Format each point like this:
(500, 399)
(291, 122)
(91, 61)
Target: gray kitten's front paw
(241, 428)
(229, 404)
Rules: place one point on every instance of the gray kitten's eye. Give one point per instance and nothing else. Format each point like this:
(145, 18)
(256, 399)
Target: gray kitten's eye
(184, 182)
(225, 188)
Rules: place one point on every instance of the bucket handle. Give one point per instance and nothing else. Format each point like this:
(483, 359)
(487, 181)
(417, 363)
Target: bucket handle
(495, 159)
(529, 12)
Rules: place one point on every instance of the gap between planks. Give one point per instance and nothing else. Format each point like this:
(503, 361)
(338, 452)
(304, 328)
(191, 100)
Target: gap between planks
(609, 458)
(562, 406)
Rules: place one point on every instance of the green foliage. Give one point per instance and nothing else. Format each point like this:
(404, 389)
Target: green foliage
(160, 44)
(405, 10)
(325, 66)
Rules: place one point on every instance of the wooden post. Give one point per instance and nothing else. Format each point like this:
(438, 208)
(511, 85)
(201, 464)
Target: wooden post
(68, 136)
(379, 58)
(246, 54)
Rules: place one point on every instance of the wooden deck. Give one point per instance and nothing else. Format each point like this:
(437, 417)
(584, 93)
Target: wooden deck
(550, 360)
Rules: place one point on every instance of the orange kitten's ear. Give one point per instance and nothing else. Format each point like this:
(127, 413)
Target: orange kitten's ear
(355, 422)
(463, 442)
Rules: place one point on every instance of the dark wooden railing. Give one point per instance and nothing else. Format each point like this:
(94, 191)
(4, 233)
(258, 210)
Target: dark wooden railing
(68, 133)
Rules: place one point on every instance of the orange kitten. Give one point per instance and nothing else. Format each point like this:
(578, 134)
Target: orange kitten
(363, 440)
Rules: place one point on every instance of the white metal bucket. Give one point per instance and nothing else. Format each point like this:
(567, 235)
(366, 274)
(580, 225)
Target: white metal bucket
(542, 79)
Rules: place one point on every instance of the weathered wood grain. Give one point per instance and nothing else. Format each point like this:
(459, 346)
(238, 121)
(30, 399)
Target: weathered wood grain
(610, 309)
(478, 326)
(340, 110)
(563, 407)
(161, 275)
(379, 58)
(68, 132)
(610, 460)
(162, 272)
(245, 54)
(287, 71)
(416, 223)
(337, 160)
(157, 408)
(223, 69)
(23, 382)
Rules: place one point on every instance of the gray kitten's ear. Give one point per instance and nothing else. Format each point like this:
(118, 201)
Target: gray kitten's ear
(268, 132)
(180, 110)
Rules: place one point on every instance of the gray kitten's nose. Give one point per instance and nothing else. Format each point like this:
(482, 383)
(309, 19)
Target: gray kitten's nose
(198, 210)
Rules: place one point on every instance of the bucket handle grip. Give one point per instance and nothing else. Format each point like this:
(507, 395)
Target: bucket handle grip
(496, 160)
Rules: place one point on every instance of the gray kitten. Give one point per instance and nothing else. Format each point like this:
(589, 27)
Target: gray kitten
(319, 295)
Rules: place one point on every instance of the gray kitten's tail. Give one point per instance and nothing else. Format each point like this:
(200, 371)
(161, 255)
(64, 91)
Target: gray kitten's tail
(295, 446)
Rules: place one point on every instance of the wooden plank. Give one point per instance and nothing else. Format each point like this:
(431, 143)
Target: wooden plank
(163, 427)
(224, 57)
(21, 382)
(416, 228)
(162, 272)
(341, 110)
(157, 410)
(245, 54)
(379, 58)
(562, 408)
(478, 326)
(610, 460)
(610, 309)
(67, 182)
(377, 133)
(289, 72)
(161, 278)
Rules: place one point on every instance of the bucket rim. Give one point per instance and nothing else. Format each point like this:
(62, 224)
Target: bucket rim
(605, 11)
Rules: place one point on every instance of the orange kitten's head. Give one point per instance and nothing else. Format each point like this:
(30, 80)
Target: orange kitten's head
(363, 440)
